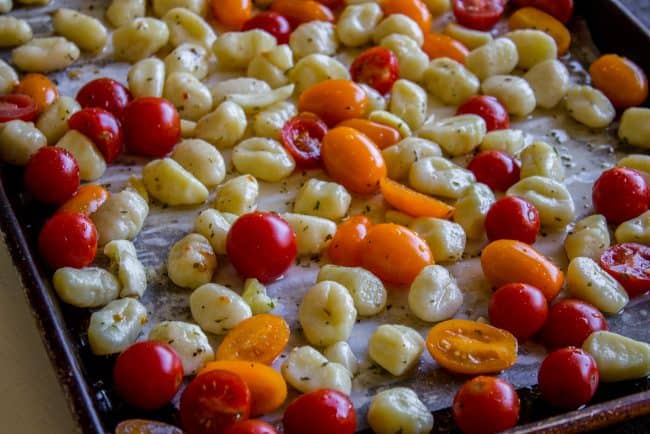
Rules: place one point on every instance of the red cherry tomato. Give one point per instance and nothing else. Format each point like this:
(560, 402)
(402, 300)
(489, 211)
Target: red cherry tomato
(105, 93)
(17, 106)
(252, 426)
(518, 308)
(102, 128)
(478, 14)
(213, 402)
(568, 378)
(629, 263)
(332, 4)
(271, 22)
(560, 9)
(152, 126)
(377, 67)
(496, 169)
(570, 322)
(620, 194)
(302, 137)
(52, 175)
(512, 218)
(261, 245)
(68, 240)
(489, 108)
(486, 405)
(323, 411)
(148, 374)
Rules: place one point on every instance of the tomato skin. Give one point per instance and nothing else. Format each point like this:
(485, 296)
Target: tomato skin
(68, 240)
(414, 9)
(260, 338)
(275, 24)
(334, 101)
(412, 202)
(381, 135)
(621, 80)
(345, 247)
(232, 13)
(620, 194)
(105, 93)
(478, 14)
(628, 263)
(377, 67)
(251, 426)
(303, 11)
(489, 108)
(52, 175)
(570, 322)
(102, 128)
(496, 169)
(532, 18)
(39, 88)
(486, 405)
(560, 9)
(438, 45)
(151, 126)
(302, 136)
(17, 106)
(323, 411)
(86, 200)
(512, 218)
(261, 245)
(518, 308)
(568, 377)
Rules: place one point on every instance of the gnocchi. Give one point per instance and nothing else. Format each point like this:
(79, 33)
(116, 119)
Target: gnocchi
(509, 141)
(87, 32)
(636, 230)
(356, 23)
(312, 233)
(589, 106)
(327, 314)
(266, 159)
(533, 47)
(14, 31)
(445, 239)
(376, 101)
(90, 159)
(19, 140)
(256, 297)
(399, 410)
(314, 37)
(187, 340)
(617, 357)
(191, 261)
(398, 24)
(217, 309)
(306, 370)
(540, 159)
(130, 271)
(396, 348)
(457, 135)
(186, 26)
(472, 208)
(235, 50)
(45, 54)
(315, 68)
(191, 98)
(497, 57)
(238, 195)
(170, 183)
(224, 89)
(122, 12)
(411, 59)
(638, 162)
(322, 199)
(53, 122)
(272, 66)
(468, 37)
(551, 198)
(634, 129)
(85, 287)
(588, 282)
(269, 122)
(188, 58)
(368, 292)
(139, 38)
(342, 354)
(449, 81)
(409, 101)
(6, 6)
(116, 326)
(8, 78)
(391, 120)
(438, 176)
(589, 238)
(215, 225)
(121, 217)
(550, 82)
(161, 7)
(223, 127)
(147, 77)
(253, 103)
(400, 157)
(202, 160)
(434, 295)
(514, 93)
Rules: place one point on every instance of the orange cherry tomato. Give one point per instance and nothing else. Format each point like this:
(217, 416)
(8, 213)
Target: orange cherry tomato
(621, 80)
(531, 18)
(439, 45)
(268, 388)
(351, 159)
(302, 11)
(345, 247)
(86, 200)
(470, 347)
(381, 135)
(39, 88)
(509, 261)
(141, 426)
(413, 203)
(260, 338)
(232, 13)
(414, 9)
(394, 253)
(334, 101)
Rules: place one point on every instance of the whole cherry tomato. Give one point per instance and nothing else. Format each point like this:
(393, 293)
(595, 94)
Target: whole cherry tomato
(334, 101)
(252, 426)
(105, 93)
(438, 45)
(620, 79)
(303, 11)
(486, 405)
(512, 218)
(260, 338)
(570, 322)
(560, 9)
(496, 169)
(39, 88)
(416, 10)
(620, 194)
(381, 135)
(345, 247)
(148, 374)
(68, 240)
(629, 264)
(16, 106)
(273, 23)
(518, 308)
(478, 14)
(102, 128)
(152, 126)
(377, 67)
(261, 245)
(568, 377)
(323, 411)
(213, 402)
(489, 108)
(52, 175)
(232, 13)
(86, 200)
(301, 137)
(412, 202)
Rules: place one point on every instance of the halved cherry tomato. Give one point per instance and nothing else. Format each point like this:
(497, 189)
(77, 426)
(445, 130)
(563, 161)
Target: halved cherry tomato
(531, 18)
(232, 13)
(496, 169)
(351, 159)
(478, 14)
(470, 347)
(302, 11)
(86, 200)
(570, 322)
(334, 101)
(141, 426)
(260, 338)
(413, 203)
(39, 88)
(439, 45)
(52, 175)
(323, 411)
(510, 261)
(416, 10)
(102, 128)
(486, 405)
(377, 67)
(568, 377)
(105, 93)
(512, 218)
(560, 9)
(394, 253)
(270, 22)
(620, 79)
(381, 135)
(518, 308)
(16, 106)
(620, 194)
(629, 263)
(251, 426)
(152, 126)
(301, 137)
(345, 247)
(489, 108)
(68, 240)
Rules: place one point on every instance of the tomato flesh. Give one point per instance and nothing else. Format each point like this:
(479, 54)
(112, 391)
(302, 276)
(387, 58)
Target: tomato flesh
(102, 128)
(570, 322)
(568, 378)
(17, 107)
(486, 405)
(302, 137)
(629, 263)
(152, 126)
(377, 67)
(68, 240)
(478, 14)
(52, 175)
(512, 218)
(271, 22)
(105, 93)
(323, 411)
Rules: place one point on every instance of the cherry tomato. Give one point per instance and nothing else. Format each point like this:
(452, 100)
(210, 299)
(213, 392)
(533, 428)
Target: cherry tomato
(273, 23)
(213, 402)
(345, 247)
(416, 10)
(438, 45)
(412, 202)
(86, 200)
(489, 108)
(332, 4)
(141, 426)
(152, 126)
(68, 240)
(251, 426)
(102, 128)
(532, 18)
(620, 194)
(486, 405)
(39, 88)
(560, 9)
(512, 218)
(496, 169)
(377, 67)
(148, 374)
(302, 137)
(261, 245)
(52, 175)
(394, 253)
(105, 93)
(478, 14)
(323, 411)
(568, 378)
(303, 11)
(260, 338)
(334, 101)
(232, 13)
(381, 135)
(629, 264)
(621, 80)
(16, 106)
(570, 322)
(518, 308)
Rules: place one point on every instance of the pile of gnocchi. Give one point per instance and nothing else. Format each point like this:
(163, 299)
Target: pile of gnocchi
(394, 147)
